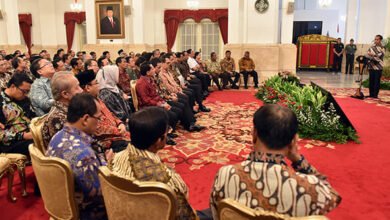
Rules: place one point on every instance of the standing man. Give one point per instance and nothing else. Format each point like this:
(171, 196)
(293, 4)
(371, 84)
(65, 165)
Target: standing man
(110, 24)
(338, 56)
(375, 67)
(247, 67)
(350, 50)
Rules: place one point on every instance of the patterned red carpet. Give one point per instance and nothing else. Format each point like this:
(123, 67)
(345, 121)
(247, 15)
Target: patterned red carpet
(357, 171)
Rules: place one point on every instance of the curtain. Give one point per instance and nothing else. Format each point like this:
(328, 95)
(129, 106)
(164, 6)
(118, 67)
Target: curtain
(70, 20)
(172, 18)
(25, 23)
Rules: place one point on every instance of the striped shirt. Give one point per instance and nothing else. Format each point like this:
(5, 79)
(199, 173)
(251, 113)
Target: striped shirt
(377, 60)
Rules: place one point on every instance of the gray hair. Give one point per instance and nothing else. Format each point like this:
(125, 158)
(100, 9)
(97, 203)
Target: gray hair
(60, 83)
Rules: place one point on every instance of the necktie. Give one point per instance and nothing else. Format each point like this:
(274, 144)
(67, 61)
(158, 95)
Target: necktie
(112, 22)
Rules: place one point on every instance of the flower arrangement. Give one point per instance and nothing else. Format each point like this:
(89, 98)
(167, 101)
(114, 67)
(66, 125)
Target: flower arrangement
(308, 103)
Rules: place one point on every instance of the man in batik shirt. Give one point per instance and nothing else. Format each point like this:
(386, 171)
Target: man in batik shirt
(4, 75)
(265, 182)
(110, 131)
(229, 66)
(64, 86)
(73, 144)
(149, 128)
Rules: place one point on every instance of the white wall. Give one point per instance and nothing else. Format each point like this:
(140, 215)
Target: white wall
(48, 14)
(331, 16)
(372, 18)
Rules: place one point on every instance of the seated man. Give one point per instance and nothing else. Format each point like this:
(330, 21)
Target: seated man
(110, 131)
(229, 66)
(149, 128)
(15, 135)
(73, 144)
(264, 181)
(215, 70)
(41, 95)
(247, 67)
(4, 75)
(64, 86)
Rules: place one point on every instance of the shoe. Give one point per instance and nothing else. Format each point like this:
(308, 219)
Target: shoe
(199, 127)
(245, 87)
(204, 109)
(171, 142)
(235, 87)
(172, 135)
(195, 128)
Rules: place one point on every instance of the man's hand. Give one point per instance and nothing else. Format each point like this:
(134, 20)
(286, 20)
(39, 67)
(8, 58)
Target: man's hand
(27, 136)
(293, 154)
(122, 128)
(2, 126)
(126, 97)
(174, 98)
(109, 155)
(167, 106)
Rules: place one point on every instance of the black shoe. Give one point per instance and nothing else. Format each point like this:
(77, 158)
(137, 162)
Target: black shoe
(199, 127)
(204, 109)
(205, 94)
(235, 87)
(171, 142)
(195, 128)
(246, 87)
(172, 135)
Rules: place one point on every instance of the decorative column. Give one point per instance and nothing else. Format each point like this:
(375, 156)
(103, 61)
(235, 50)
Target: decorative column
(11, 22)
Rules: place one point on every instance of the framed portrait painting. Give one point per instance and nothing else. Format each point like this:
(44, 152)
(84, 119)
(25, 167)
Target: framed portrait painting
(109, 19)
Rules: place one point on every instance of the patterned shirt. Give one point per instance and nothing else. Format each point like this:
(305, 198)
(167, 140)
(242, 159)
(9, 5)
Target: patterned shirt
(4, 78)
(124, 82)
(54, 121)
(228, 65)
(377, 62)
(107, 129)
(41, 96)
(74, 146)
(133, 73)
(144, 165)
(147, 93)
(246, 64)
(169, 83)
(214, 67)
(116, 103)
(265, 182)
(15, 120)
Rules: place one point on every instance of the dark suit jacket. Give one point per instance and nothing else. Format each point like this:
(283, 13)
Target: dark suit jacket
(106, 27)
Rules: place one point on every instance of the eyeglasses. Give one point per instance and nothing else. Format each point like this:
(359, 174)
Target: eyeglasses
(95, 117)
(47, 63)
(25, 92)
(92, 84)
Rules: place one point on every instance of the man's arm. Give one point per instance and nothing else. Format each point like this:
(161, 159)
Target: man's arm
(41, 99)
(86, 173)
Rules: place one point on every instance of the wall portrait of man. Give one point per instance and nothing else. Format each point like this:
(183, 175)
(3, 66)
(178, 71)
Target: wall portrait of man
(109, 19)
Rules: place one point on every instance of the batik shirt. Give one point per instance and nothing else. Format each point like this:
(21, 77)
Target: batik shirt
(144, 165)
(74, 146)
(107, 129)
(4, 78)
(116, 103)
(54, 122)
(124, 82)
(214, 67)
(41, 96)
(227, 65)
(246, 64)
(265, 182)
(14, 118)
(377, 62)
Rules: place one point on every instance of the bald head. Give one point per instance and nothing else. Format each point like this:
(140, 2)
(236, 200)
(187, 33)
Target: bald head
(64, 85)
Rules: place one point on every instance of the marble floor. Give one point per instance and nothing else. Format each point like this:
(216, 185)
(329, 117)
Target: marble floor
(329, 79)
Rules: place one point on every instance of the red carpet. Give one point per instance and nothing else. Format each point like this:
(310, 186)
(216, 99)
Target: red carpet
(359, 172)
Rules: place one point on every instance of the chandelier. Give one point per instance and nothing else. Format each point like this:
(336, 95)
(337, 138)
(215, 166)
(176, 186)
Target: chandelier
(193, 4)
(76, 6)
(324, 3)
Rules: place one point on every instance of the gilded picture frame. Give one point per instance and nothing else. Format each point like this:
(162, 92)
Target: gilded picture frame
(109, 19)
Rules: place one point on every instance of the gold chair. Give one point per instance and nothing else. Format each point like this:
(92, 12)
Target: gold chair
(6, 168)
(126, 199)
(133, 83)
(228, 209)
(56, 182)
(19, 162)
(36, 131)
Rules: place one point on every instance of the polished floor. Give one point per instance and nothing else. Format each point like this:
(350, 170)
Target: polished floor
(329, 79)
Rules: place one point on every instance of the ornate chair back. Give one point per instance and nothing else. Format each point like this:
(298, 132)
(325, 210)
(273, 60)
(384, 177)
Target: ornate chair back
(36, 131)
(56, 182)
(133, 83)
(127, 199)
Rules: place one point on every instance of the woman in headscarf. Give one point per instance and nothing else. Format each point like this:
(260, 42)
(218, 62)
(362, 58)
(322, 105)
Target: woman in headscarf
(111, 95)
